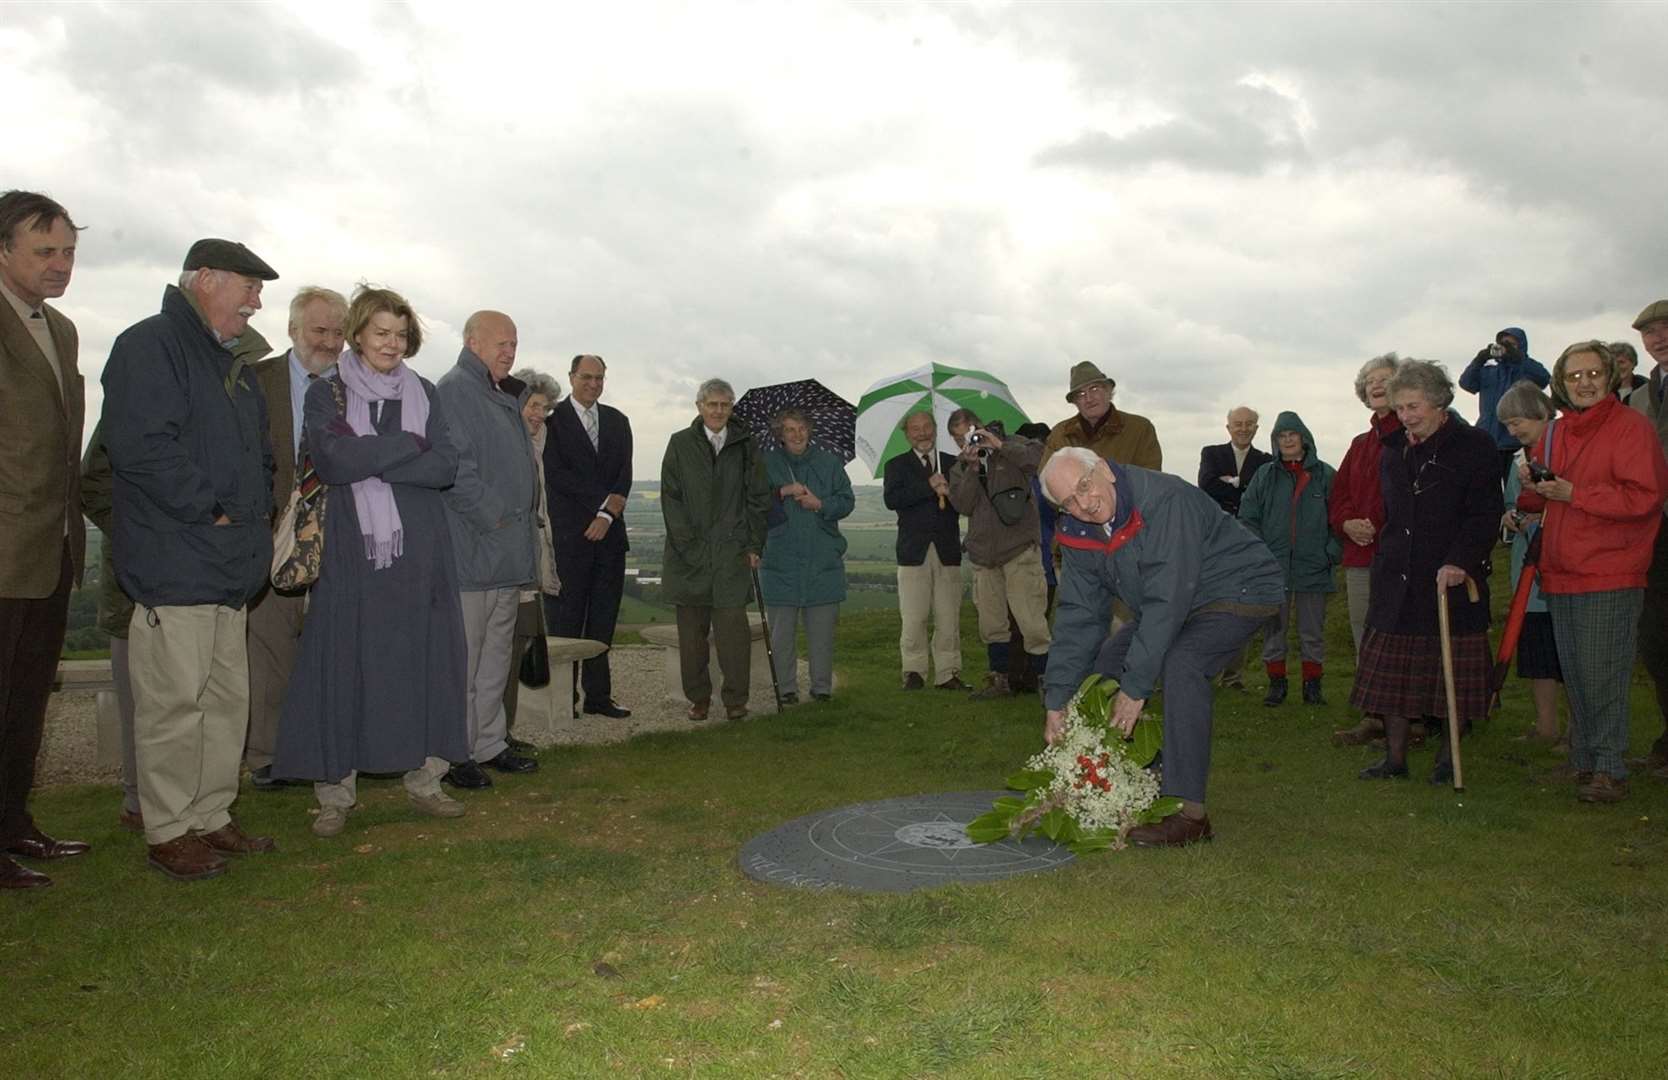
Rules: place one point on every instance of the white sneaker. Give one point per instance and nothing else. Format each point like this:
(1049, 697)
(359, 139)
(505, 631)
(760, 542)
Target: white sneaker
(439, 804)
(330, 821)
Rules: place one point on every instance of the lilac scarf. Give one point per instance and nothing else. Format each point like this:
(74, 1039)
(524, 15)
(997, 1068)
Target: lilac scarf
(379, 517)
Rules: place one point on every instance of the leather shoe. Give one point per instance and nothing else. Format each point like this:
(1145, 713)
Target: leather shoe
(698, 711)
(467, 774)
(953, 683)
(187, 858)
(789, 698)
(263, 779)
(1383, 770)
(509, 761)
(520, 746)
(610, 708)
(131, 820)
(38, 845)
(737, 713)
(231, 840)
(14, 875)
(1174, 831)
(913, 681)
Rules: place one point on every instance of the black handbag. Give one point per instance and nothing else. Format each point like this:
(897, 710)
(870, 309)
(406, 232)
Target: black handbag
(535, 663)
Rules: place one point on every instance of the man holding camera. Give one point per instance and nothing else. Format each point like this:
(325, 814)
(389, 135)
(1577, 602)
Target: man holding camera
(991, 484)
(1491, 372)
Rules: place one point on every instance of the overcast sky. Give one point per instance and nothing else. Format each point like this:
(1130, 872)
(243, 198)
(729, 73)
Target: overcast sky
(1216, 204)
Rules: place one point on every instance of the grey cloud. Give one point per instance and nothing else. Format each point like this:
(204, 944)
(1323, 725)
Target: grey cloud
(1244, 129)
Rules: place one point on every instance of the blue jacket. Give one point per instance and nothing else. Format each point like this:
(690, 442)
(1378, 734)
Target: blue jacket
(490, 506)
(185, 424)
(1171, 553)
(1488, 378)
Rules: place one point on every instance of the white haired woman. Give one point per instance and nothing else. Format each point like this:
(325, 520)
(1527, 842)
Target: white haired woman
(542, 393)
(1527, 413)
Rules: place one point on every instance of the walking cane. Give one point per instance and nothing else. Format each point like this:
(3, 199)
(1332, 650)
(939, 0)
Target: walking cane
(1448, 675)
(770, 653)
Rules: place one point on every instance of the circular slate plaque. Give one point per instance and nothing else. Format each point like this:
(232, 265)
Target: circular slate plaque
(894, 845)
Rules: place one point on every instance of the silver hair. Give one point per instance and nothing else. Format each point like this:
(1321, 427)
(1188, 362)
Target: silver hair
(1388, 362)
(540, 383)
(1523, 400)
(189, 276)
(1082, 455)
(714, 386)
(1255, 418)
(307, 294)
(1427, 377)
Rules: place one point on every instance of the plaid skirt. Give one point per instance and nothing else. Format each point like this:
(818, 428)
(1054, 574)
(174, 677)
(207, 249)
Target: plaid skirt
(1537, 650)
(1401, 675)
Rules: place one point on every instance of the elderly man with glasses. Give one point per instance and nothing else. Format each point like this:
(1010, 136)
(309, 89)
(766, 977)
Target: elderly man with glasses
(1100, 426)
(1198, 584)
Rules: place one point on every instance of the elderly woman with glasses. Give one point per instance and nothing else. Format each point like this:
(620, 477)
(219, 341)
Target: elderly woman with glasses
(1527, 412)
(543, 392)
(1598, 477)
(1442, 506)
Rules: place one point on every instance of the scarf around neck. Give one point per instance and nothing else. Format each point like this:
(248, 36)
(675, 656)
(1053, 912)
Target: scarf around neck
(373, 499)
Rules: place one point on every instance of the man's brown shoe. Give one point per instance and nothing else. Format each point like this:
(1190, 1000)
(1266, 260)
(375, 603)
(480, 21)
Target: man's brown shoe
(231, 840)
(1176, 830)
(913, 681)
(132, 821)
(737, 713)
(1602, 788)
(187, 858)
(14, 875)
(698, 711)
(38, 845)
(953, 683)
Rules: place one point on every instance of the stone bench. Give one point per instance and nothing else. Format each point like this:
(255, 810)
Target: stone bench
(666, 636)
(541, 713)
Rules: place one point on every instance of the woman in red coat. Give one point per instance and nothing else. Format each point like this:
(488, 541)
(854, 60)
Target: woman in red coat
(1599, 478)
(1356, 512)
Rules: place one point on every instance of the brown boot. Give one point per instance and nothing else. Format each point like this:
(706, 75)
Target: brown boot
(187, 858)
(1370, 728)
(996, 686)
(231, 840)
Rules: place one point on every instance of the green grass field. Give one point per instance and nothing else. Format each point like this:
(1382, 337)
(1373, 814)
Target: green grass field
(590, 921)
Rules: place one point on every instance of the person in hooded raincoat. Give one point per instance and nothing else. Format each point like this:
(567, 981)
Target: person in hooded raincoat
(1286, 505)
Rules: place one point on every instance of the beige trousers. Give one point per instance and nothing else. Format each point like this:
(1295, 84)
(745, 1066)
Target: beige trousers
(190, 672)
(1018, 586)
(935, 589)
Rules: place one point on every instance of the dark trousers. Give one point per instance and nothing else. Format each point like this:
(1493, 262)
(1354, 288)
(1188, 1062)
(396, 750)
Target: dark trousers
(1024, 670)
(1205, 645)
(734, 640)
(592, 582)
(1653, 633)
(31, 639)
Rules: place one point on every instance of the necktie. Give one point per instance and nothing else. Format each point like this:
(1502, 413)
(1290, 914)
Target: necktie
(591, 426)
(926, 463)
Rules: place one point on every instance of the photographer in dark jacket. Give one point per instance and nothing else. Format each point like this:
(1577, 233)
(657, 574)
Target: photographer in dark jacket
(186, 425)
(1491, 373)
(991, 484)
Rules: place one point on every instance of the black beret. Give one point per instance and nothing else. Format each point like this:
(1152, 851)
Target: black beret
(212, 254)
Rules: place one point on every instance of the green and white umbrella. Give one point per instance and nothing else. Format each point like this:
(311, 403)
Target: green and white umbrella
(936, 388)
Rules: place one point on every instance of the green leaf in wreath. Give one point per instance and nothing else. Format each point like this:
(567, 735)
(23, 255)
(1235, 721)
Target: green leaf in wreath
(1030, 779)
(989, 828)
(1146, 741)
(1054, 824)
(1159, 810)
(1010, 804)
(1093, 840)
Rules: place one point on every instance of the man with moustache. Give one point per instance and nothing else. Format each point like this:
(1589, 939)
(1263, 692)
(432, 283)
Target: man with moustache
(916, 488)
(492, 514)
(316, 316)
(186, 427)
(587, 471)
(42, 539)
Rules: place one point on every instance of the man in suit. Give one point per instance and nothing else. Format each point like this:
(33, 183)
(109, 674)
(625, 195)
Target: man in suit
(316, 318)
(43, 541)
(929, 555)
(1224, 471)
(587, 472)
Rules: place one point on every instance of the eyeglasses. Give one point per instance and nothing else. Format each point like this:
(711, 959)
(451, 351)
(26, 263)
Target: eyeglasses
(1073, 503)
(1093, 388)
(1591, 374)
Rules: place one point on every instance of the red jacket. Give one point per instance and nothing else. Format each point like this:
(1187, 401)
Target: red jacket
(1602, 538)
(1355, 489)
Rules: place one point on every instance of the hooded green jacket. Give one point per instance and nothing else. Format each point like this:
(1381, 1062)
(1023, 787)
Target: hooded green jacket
(1288, 510)
(805, 555)
(714, 508)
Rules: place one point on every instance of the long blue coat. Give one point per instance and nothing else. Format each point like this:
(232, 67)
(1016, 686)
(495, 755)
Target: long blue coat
(805, 555)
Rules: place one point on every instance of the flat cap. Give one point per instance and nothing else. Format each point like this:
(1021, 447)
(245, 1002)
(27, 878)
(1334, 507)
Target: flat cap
(212, 254)
(1658, 310)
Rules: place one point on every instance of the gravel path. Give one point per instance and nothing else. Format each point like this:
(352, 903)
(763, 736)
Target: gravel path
(69, 748)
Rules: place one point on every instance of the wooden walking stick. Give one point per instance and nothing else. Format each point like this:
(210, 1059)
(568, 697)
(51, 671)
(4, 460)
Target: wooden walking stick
(1448, 675)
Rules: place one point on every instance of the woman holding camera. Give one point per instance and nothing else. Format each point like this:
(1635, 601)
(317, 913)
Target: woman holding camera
(1441, 480)
(1598, 478)
(1527, 413)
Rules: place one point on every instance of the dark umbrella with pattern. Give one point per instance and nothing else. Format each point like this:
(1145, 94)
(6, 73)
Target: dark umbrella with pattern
(833, 418)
